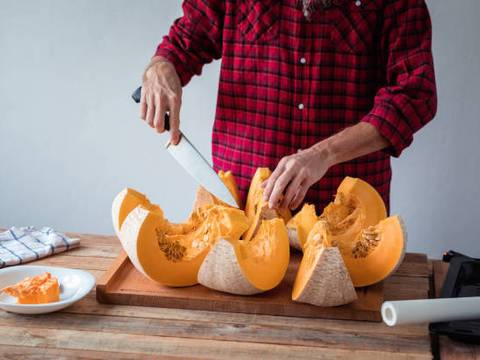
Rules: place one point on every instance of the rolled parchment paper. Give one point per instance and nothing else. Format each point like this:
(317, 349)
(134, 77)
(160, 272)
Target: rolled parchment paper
(430, 310)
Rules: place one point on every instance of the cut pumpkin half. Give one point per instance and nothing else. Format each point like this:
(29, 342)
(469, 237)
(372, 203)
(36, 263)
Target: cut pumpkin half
(170, 253)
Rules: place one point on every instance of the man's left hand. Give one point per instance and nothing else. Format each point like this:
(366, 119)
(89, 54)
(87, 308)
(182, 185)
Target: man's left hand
(293, 176)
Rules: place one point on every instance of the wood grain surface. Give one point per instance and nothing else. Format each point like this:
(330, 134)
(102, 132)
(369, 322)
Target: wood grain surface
(124, 285)
(450, 349)
(90, 330)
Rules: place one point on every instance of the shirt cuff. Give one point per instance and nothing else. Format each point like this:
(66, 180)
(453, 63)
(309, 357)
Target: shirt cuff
(183, 73)
(386, 121)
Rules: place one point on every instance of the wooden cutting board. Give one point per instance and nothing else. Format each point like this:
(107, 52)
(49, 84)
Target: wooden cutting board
(122, 284)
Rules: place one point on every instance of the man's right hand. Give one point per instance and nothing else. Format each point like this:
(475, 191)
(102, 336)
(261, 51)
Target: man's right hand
(161, 93)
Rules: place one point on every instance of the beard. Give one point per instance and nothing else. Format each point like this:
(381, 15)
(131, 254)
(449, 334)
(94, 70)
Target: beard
(309, 6)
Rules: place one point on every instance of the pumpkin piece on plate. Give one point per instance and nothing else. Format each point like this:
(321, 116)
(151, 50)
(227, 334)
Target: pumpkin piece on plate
(40, 289)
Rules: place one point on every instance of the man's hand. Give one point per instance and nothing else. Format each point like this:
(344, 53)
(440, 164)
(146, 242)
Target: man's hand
(161, 92)
(293, 176)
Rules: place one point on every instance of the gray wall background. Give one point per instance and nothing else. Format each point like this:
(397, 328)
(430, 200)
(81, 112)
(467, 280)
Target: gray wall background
(70, 138)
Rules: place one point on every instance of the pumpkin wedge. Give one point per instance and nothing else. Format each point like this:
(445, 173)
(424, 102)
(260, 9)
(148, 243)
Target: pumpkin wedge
(169, 253)
(256, 263)
(322, 278)
(376, 252)
(229, 180)
(255, 196)
(371, 245)
(248, 267)
(300, 225)
(356, 206)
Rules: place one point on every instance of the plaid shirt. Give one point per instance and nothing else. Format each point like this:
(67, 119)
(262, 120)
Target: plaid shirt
(289, 79)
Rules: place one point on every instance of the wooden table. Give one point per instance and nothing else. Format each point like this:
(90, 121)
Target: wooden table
(92, 330)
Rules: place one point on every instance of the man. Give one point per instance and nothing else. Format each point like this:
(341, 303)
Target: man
(315, 89)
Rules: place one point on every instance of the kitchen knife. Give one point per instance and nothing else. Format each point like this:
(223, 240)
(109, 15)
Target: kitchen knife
(194, 163)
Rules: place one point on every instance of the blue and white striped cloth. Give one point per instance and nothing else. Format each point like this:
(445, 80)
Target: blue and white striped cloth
(24, 244)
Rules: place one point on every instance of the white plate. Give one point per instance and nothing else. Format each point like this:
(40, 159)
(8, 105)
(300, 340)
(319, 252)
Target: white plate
(74, 285)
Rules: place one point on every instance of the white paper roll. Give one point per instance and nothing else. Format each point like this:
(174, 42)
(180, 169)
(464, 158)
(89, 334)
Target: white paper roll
(430, 310)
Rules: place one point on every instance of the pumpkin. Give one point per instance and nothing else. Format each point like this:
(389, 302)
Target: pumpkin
(376, 252)
(207, 248)
(168, 253)
(300, 225)
(40, 289)
(257, 262)
(247, 267)
(351, 244)
(371, 246)
(255, 199)
(322, 278)
(231, 184)
(204, 197)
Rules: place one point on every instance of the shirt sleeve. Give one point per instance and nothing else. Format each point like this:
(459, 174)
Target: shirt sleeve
(408, 100)
(195, 38)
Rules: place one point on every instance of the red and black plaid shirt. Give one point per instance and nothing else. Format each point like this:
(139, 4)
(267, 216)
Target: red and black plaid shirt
(287, 82)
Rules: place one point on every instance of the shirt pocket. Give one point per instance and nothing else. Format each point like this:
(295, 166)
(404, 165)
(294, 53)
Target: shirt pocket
(258, 21)
(353, 25)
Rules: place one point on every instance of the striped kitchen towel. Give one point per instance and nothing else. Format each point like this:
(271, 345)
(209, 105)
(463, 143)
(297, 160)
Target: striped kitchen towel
(24, 244)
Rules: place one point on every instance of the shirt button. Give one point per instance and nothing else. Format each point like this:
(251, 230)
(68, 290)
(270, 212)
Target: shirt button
(303, 60)
(301, 106)
(358, 3)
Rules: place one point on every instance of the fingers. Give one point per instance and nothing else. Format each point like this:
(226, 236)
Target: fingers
(174, 119)
(292, 190)
(299, 196)
(270, 183)
(150, 110)
(143, 105)
(280, 185)
(160, 110)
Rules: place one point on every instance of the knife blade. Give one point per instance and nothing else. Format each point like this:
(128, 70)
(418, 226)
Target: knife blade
(187, 155)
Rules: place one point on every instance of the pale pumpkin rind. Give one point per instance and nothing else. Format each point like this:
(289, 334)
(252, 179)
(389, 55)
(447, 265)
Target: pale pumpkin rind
(256, 263)
(168, 253)
(248, 267)
(323, 280)
(355, 224)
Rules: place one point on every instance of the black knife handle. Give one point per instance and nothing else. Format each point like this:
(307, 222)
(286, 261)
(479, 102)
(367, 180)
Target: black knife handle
(137, 96)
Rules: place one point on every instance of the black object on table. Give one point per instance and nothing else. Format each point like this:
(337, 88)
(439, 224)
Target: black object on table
(462, 280)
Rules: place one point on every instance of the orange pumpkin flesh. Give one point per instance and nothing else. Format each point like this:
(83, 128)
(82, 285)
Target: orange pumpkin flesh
(40, 289)
(258, 261)
(371, 245)
(176, 254)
